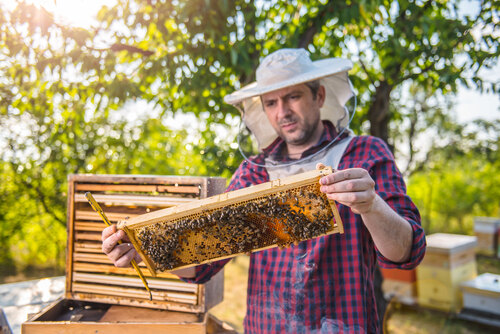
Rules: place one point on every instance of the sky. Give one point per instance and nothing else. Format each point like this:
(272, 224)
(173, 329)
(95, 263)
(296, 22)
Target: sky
(470, 104)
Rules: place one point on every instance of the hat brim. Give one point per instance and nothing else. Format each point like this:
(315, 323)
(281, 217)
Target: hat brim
(322, 68)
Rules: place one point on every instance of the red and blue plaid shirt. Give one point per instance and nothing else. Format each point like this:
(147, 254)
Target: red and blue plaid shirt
(324, 285)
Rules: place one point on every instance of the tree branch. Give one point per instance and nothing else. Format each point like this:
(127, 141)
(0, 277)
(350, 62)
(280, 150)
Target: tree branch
(308, 34)
(250, 30)
(366, 71)
(413, 75)
(117, 47)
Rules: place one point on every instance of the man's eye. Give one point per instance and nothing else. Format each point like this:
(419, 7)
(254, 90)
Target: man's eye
(295, 97)
(269, 104)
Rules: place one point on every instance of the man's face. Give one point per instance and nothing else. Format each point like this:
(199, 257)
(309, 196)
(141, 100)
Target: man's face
(295, 114)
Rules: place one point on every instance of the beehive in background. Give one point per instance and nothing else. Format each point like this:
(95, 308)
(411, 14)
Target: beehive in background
(276, 213)
(400, 285)
(448, 261)
(487, 231)
(482, 294)
(91, 276)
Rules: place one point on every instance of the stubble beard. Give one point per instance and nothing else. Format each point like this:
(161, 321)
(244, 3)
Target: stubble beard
(301, 135)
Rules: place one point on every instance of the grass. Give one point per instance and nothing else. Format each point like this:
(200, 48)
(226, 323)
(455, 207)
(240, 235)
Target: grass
(400, 319)
(233, 307)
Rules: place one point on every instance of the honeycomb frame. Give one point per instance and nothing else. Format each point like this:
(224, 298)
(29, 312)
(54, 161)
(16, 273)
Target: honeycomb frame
(272, 214)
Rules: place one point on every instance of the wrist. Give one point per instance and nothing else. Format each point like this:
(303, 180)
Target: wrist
(376, 207)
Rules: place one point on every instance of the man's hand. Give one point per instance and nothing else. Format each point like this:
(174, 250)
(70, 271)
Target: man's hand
(352, 187)
(122, 254)
(355, 188)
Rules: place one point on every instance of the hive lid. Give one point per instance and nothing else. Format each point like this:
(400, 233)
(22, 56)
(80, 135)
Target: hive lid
(485, 283)
(486, 224)
(450, 243)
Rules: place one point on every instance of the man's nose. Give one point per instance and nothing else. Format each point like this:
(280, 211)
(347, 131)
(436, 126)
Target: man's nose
(283, 108)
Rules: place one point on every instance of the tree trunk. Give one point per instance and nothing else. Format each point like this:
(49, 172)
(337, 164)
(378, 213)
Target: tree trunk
(378, 114)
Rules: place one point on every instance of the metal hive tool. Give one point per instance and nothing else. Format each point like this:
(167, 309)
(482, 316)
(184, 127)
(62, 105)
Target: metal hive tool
(277, 213)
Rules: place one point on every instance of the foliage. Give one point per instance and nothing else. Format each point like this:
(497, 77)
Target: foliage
(460, 180)
(65, 91)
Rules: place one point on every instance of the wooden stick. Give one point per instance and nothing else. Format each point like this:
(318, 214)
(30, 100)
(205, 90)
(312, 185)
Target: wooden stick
(98, 209)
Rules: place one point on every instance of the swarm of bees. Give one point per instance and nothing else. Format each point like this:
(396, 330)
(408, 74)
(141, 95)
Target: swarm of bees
(279, 219)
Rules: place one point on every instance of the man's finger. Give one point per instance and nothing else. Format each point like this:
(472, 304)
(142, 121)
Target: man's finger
(342, 175)
(351, 198)
(320, 165)
(126, 258)
(109, 243)
(352, 185)
(119, 251)
(108, 231)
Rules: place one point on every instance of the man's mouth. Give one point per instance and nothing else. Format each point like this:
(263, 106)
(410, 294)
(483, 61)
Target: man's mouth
(288, 125)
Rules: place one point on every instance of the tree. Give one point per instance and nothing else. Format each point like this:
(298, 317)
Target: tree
(185, 56)
(459, 180)
(67, 85)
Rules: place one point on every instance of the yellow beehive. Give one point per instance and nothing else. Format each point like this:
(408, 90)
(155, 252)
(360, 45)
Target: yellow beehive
(91, 275)
(438, 284)
(440, 287)
(276, 213)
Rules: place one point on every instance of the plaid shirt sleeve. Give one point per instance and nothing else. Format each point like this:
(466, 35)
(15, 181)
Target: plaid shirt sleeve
(391, 188)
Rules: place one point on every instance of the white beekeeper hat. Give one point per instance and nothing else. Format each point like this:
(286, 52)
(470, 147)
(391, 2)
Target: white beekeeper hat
(289, 67)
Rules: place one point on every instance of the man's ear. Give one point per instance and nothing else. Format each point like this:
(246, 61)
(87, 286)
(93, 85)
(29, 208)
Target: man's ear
(321, 95)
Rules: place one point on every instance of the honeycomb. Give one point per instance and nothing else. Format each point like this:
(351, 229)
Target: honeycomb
(280, 218)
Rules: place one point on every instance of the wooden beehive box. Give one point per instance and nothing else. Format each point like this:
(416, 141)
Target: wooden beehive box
(400, 285)
(276, 213)
(449, 260)
(401, 291)
(101, 298)
(482, 293)
(90, 275)
(487, 230)
(396, 274)
(68, 316)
